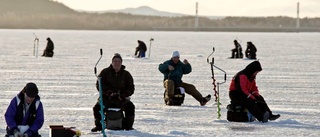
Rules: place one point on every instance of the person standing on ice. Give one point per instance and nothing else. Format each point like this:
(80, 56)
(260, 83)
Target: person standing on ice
(24, 115)
(243, 91)
(117, 87)
(173, 70)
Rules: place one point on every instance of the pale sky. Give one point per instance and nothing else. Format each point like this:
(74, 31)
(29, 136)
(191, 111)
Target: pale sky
(308, 8)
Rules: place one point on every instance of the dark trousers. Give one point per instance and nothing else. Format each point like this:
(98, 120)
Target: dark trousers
(256, 107)
(127, 106)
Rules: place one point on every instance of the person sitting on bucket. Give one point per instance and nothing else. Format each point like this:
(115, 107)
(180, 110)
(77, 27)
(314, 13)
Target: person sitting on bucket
(173, 70)
(237, 51)
(117, 86)
(48, 52)
(243, 91)
(24, 115)
(142, 48)
(251, 51)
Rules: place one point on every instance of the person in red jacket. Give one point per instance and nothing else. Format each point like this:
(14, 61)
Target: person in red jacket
(243, 91)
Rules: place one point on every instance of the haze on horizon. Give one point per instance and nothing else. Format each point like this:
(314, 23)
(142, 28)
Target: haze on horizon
(254, 8)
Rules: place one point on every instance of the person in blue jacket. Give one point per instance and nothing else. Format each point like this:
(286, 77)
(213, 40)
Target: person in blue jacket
(173, 70)
(24, 115)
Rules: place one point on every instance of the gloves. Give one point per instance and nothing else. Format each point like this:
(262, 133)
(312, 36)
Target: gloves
(108, 93)
(251, 97)
(16, 133)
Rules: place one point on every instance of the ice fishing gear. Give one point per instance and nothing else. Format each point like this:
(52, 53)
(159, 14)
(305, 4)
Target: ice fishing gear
(178, 96)
(101, 98)
(216, 86)
(35, 46)
(150, 47)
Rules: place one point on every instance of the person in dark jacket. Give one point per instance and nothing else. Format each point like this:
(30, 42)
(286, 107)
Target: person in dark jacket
(48, 52)
(117, 86)
(173, 70)
(251, 51)
(141, 49)
(243, 91)
(237, 51)
(24, 115)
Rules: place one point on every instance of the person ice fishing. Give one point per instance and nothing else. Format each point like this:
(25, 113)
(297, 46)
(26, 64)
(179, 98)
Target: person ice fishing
(251, 51)
(141, 49)
(117, 87)
(243, 91)
(48, 52)
(237, 51)
(24, 115)
(173, 70)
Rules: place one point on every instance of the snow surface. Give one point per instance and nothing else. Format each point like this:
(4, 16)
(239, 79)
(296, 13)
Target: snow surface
(289, 80)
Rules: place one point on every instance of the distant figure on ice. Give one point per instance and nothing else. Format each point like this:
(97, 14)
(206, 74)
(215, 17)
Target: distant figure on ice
(48, 52)
(24, 115)
(244, 92)
(173, 70)
(141, 49)
(117, 86)
(237, 51)
(251, 51)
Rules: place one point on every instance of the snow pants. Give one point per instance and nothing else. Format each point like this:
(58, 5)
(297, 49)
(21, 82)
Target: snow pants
(256, 107)
(189, 89)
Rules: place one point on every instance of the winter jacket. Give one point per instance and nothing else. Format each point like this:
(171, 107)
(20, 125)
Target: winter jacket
(142, 46)
(176, 74)
(50, 45)
(244, 81)
(34, 118)
(118, 82)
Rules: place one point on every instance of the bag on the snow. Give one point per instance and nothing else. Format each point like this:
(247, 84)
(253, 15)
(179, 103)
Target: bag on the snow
(237, 113)
(178, 97)
(114, 119)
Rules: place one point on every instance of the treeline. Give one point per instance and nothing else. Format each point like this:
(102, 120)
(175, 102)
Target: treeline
(119, 21)
(45, 14)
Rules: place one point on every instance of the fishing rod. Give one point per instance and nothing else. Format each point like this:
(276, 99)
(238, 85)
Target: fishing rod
(216, 86)
(101, 98)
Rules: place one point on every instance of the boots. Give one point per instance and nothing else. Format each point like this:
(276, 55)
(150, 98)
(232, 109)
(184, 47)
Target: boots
(274, 117)
(98, 126)
(205, 100)
(96, 129)
(128, 123)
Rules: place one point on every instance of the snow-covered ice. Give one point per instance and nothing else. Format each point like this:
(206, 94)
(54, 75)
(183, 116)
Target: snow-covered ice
(289, 80)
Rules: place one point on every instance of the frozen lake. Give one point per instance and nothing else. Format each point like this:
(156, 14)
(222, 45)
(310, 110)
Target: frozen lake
(289, 80)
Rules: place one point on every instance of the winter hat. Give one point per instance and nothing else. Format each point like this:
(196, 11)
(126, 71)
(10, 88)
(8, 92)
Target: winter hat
(175, 54)
(31, 90)
(117, 55)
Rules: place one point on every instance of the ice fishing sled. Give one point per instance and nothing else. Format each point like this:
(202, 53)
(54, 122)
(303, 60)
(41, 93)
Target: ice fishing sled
(60, 131)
